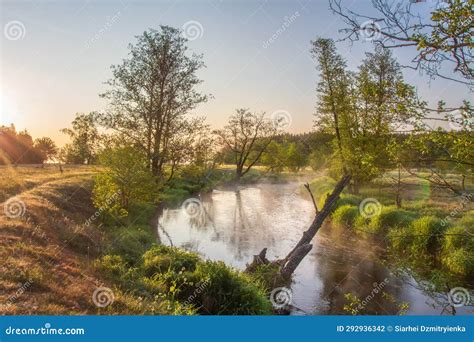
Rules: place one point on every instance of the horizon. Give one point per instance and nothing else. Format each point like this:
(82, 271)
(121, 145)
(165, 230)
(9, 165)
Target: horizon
(256, 56)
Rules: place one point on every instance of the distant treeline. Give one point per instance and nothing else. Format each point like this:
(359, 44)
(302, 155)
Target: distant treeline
(19, 147)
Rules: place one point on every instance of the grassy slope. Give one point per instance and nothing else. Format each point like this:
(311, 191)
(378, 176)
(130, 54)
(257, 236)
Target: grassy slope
(53, 260)
(47, 253)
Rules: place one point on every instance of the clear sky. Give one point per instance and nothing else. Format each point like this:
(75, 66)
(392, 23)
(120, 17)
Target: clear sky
(61, 53)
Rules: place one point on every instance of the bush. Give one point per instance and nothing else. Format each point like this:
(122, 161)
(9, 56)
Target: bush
(230, 292)
(124, 182)
(344, 199)
(459, 237)
(161, 259)
(460, 261)
(389, 218)
(401, 238)
(345, 215)
(427, 235)
(269, 276)
(458, 250)
(210, 287)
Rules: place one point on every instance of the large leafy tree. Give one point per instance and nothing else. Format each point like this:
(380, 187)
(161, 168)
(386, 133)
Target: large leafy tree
(85, 138)
(47, 147)
(333, 90)
(362, 109)
(152, 92)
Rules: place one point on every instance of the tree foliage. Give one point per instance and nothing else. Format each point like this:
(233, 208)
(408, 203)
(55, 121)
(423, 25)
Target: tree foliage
(445, 38)
(152, 92)
(85, 139)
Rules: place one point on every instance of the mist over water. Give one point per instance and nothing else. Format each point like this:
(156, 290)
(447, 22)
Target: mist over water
(234, 224)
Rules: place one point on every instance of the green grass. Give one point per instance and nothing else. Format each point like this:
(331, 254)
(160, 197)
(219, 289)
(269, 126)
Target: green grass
(427, 235)
(187, 283)
(346, 214)
(390, 218)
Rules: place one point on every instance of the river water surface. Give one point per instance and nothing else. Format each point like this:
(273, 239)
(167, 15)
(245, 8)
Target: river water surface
(234, 224)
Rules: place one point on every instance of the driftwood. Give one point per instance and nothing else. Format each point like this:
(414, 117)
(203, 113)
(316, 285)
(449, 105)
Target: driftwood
(289, 264)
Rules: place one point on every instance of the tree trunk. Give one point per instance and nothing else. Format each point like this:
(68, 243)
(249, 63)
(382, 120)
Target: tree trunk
(304, 246)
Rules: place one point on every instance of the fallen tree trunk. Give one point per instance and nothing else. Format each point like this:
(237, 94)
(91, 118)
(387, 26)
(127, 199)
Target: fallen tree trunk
(289, 264)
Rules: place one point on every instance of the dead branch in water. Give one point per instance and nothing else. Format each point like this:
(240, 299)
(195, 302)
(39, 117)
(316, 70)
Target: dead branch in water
(289, 264)
(306, 185)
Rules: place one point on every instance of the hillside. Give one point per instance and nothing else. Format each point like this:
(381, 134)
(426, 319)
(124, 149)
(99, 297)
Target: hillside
(47, 247)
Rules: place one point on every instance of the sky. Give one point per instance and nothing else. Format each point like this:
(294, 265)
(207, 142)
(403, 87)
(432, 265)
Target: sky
(56, 55)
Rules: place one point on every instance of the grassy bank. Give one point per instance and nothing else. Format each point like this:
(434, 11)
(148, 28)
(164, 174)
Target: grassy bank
(60, 249)
(433, 230)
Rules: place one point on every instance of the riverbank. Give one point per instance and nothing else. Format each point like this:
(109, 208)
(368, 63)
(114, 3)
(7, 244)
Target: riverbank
(429, 238)
(59, 251)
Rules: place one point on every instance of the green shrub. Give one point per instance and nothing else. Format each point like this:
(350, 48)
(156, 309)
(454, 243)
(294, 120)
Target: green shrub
(114, 268)
(458, 249)
(427, 234)
(345, 215)
(344, 199)
(124, 182)
(389, 218)
(230, 292)
(401, 238)
(111, 266)
(210, 287)
(361, 222)
(269, 276)
(460, 261)
(459, 237)
(160, 259)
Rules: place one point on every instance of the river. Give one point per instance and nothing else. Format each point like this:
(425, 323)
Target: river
(234, 224)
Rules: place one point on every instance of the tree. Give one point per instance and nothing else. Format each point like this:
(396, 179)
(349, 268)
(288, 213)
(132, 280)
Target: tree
(84, 140)
(17, 148)
(363, 109)
(151, 93)
(447, 38)
(333, 90)
(247, 135)
(295, 158)
(274, 157)
(47, 147)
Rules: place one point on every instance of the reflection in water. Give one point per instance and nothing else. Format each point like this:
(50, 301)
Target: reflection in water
(232, 226)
